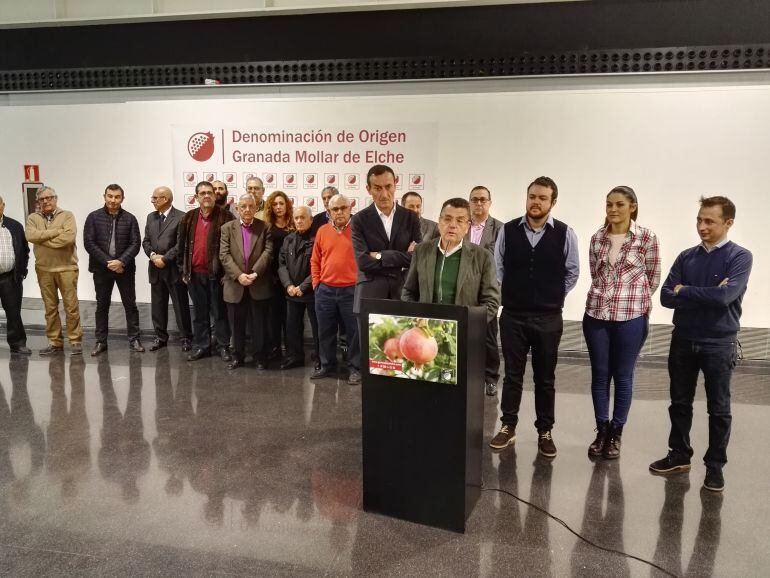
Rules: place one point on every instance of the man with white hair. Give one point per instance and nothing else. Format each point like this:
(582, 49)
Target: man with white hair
(160, 245)
(294, 274)
(333, 270)
(14, 256)
(52, 231)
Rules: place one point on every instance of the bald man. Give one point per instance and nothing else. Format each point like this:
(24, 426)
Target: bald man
(160, 245)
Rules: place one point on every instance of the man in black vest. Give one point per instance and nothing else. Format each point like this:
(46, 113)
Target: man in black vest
(537, 265)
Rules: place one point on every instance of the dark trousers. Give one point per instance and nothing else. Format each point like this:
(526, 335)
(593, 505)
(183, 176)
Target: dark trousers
(295, 327)
(716, 361)
(334, 307)
(492, 367)
(277, 319)
(104, 281)
(613, 347)
(206, 295)
(11, 293)
(252, 314)
(519, 334)
(160, 291)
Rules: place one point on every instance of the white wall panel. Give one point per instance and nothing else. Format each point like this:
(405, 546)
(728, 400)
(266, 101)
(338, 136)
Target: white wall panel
(670, 144)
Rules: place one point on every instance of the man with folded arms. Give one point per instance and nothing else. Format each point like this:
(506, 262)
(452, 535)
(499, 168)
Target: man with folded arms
(245, 250)
(52, 232)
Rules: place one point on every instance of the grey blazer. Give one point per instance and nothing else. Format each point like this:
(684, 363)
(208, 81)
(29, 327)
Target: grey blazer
(162, 239)
(476, 279)
(233, 262)
(428, 229)
(489, 236)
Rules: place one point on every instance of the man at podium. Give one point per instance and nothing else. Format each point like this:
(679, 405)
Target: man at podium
(447, 270)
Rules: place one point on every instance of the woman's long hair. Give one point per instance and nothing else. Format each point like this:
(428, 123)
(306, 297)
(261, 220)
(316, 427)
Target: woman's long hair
(270, 216)
(629, 194)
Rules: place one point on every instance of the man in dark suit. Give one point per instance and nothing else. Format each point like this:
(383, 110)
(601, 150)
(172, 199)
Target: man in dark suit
(384, 236)
(413, 201)
(323, 217)
(483, 232)
(14, 257)
(111, 238)
(245, 250)
(160, 245)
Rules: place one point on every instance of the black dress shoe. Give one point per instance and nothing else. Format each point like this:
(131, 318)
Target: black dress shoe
(275, 353)
(260, 364)
(99, 348)
(291, 362)
(225, 353)
(21, 350)
(323, 372)
(158, 344)
(235, 364)
(186, 346)
(197, 354)
(136, 346)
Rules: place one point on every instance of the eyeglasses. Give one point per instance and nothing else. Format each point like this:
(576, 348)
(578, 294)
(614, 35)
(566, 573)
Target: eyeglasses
(338, 209)
(206, 193)
(46, 199)
(447, 220)
(479, 200)
(156, 199)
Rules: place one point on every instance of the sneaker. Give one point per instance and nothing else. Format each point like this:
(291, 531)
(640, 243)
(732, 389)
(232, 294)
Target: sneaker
(504, 438)
(354, 378)
(673, 463)
(51, 350)
(545, 444)
(490, 389)
(714, 481)
(76, 349)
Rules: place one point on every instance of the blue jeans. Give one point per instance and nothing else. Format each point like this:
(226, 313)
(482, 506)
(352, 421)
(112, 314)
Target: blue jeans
(334, 308)
(614, 347)
(716, 360)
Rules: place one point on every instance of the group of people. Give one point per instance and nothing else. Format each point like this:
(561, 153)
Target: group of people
(253, 270)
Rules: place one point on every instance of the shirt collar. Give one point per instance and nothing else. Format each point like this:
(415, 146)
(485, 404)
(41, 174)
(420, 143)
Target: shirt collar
(167, 211)
(719, 245)
(245, 225)
(383, 215)
(451, 251)
(341, 229)
(525, 223)
(605, 230)
(480, 225)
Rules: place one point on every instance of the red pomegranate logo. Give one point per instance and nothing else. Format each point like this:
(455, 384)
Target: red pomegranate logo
(310, 202)
(201, 146)
(230, 177)
(416, 179)
(310, 179)
(331, 179)
(290, 179)
(352, 179)
(190, 199)
(353, 202)
(269, 178)
(189, 177)
(209, 177)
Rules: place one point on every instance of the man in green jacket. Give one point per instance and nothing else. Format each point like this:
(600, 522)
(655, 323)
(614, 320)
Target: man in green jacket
(450, 271)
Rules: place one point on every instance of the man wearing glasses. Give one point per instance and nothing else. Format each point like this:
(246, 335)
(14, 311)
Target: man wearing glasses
(160, 237)
(483, 232)
(449, 269)
(52, 231)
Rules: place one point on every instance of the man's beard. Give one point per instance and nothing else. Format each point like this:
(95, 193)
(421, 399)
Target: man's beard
(221, 201)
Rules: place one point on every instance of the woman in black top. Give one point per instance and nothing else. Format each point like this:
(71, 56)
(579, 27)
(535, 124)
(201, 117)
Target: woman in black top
(279, 218)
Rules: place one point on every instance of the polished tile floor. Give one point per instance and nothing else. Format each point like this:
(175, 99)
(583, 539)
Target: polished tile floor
(145, 464)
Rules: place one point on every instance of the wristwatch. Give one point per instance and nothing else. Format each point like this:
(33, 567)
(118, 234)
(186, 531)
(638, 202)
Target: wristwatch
(378, 256)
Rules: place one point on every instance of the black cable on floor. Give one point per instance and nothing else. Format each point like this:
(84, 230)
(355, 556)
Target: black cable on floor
(586, 540)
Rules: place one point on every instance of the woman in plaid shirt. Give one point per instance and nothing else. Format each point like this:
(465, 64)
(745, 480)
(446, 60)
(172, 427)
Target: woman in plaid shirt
(625, 272)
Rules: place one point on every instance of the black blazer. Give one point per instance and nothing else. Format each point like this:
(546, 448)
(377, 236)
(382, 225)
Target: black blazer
(96, 239)
(163, 241)
(369, 236)
(20, 248)
(319, 220)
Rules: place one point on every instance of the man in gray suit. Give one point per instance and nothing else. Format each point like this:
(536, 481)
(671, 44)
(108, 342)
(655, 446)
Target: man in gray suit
(160, 245)
(466, 272)
(483, 232)
(413, 201)
(245, 250)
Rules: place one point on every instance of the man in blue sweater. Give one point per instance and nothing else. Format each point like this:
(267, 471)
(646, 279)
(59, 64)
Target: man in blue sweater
(705, 288)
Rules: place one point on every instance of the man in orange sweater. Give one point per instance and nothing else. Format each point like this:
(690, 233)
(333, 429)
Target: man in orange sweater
(333, 271)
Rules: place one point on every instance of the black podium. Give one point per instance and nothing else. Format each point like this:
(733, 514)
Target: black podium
(422, 419)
